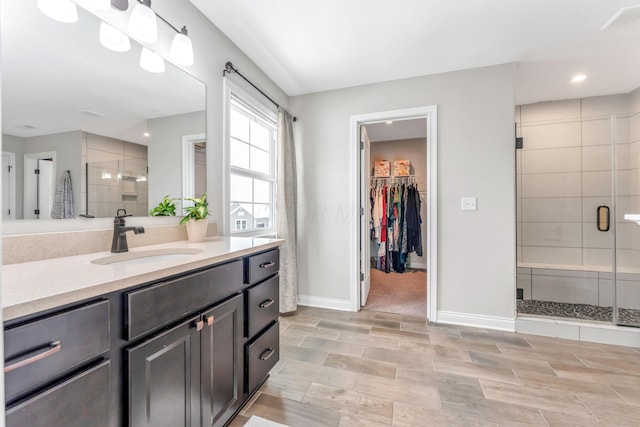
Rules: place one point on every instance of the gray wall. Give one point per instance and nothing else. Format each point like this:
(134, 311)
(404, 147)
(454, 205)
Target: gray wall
(165, 156)
(68, 148)
(476, 157)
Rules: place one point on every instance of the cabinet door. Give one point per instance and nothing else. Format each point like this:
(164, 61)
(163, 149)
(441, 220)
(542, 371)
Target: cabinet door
(164, 381)
(222, 362)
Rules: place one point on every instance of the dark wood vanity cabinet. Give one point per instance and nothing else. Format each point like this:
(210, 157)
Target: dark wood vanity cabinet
(56, 372)
(187, 351)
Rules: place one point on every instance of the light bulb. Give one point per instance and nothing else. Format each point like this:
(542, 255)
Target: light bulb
(143, 25)
(151, 61)
(60, 10)
(181, 48)
(113, 39)
(95, 4)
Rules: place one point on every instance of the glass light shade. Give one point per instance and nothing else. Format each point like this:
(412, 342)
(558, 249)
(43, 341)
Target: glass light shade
(61, 10)
(151, 61)
(113, 39)
(181, 50)
(143, 24)
(96, 4)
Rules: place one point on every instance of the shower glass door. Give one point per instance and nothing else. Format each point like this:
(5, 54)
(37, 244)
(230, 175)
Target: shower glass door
(565, 210)
(626, 183)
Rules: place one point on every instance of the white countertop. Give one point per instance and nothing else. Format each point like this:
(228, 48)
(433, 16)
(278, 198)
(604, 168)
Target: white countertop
(32, 287)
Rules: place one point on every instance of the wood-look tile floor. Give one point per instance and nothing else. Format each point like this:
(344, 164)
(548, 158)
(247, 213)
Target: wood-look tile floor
(376, 369)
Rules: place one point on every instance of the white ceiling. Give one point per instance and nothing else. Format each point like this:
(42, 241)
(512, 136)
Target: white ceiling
(397, 130)
(312, 46)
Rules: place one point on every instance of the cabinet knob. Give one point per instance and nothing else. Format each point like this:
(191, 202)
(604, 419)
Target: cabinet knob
(198, 324)
(210, 320)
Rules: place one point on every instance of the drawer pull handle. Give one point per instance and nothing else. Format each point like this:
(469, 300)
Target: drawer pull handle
(198, 324)
(267, 303)
(210, 320)
(267, 354)
(267, 264)
(49, 350)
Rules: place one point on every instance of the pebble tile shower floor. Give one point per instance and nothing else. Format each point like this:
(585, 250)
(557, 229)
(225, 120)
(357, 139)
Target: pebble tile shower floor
(578, 311)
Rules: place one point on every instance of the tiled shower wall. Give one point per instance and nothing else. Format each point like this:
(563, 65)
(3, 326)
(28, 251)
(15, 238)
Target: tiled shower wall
(563, 175)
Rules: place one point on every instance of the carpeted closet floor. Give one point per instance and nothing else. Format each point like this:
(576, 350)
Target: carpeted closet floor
(399, 293)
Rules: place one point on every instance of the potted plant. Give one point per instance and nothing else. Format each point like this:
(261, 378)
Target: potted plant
(196, 218)
(165, 208)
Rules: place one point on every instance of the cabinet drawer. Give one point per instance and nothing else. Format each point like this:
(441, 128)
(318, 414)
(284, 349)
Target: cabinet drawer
(38, 351)
(262, 265)
(262, 305)
(153, 307)
(262, 355)
(81, 401)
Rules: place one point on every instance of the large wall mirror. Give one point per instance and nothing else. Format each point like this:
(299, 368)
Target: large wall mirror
(73, 108)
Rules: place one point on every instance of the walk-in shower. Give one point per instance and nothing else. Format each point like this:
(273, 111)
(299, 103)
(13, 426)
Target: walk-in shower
(578, 174)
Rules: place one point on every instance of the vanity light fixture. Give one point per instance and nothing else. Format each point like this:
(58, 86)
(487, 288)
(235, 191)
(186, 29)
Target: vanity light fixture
(143, 24)
(113, 39)
(95, 4)
(60, 10)
(578, 78)
(181, 48)
(151, 61)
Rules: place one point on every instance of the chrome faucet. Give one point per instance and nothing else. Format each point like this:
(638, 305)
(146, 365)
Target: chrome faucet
(119, 243)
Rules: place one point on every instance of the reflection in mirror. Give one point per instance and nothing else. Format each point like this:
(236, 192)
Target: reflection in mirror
(115, 127)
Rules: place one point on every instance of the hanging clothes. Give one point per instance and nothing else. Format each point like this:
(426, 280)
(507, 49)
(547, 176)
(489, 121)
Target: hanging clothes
(395, 225)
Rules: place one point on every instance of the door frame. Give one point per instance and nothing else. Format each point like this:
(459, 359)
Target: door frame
(11, 160)
(430, 113)
(188, 166)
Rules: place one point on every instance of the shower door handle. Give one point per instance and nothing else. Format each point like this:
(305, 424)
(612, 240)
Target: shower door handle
(603, 218)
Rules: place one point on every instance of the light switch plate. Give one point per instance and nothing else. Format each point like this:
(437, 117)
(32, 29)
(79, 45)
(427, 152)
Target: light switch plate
(469, 204)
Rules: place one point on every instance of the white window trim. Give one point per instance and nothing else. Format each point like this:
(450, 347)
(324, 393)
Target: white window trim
(262, 109)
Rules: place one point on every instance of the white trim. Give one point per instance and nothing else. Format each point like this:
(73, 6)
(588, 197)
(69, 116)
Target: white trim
(188, 165)
(29, 183)
(431, 114)
(328, 303)
(477, 321)
(418, 265)
(581, 331)
(11, 160)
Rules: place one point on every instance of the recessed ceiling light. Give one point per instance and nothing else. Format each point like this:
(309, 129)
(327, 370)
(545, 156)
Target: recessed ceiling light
(146, 134)
(389, 122)
(579, 78)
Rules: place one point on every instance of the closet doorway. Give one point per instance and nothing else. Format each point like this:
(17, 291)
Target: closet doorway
(396, 173)
(396, 233)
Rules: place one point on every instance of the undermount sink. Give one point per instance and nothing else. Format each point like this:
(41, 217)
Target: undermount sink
(141, 257)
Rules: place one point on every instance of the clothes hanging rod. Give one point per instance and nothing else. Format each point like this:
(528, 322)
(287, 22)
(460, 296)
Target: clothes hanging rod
(229, 68)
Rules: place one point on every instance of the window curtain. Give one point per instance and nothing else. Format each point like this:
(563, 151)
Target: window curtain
(287, 207)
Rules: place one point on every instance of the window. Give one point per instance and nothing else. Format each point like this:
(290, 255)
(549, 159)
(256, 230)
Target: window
(252, 176)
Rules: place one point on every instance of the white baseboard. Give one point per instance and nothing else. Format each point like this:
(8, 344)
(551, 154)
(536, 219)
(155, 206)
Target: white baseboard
(329, 303)
(418, 265)
(477, 320)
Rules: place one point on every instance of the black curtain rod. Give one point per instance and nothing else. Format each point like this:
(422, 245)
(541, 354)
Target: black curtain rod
(228, 68)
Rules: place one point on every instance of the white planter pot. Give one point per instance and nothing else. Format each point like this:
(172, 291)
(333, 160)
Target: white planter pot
(197, 230)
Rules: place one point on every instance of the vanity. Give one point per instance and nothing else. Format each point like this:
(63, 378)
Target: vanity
(170, 341)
